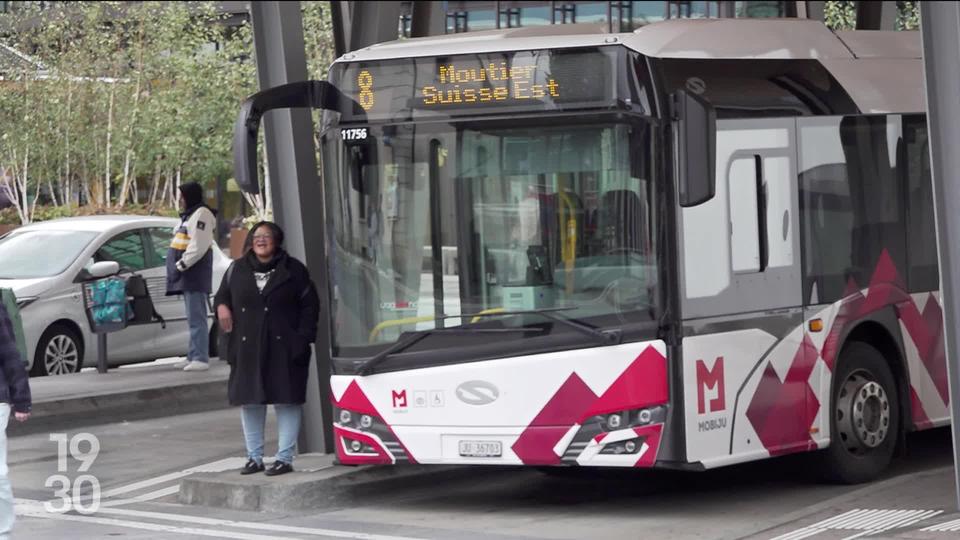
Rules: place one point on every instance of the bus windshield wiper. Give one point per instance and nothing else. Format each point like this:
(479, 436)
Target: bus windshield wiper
(603, 337)
(414, 337)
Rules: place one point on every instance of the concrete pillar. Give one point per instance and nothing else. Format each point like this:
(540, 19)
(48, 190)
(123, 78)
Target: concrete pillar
(940, 27)
(876, 15)
(297, 194)
(427, 19)
(361, 24)
(813, 10)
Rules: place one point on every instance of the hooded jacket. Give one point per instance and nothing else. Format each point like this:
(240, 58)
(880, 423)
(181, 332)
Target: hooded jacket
(190, 257)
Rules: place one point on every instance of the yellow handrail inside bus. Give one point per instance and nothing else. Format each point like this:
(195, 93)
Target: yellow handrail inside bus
(568, 238)
(490, 311)
(413, 320)
(396, 322)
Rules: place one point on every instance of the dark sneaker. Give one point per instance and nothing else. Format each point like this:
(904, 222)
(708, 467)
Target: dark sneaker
(278, 467)
(252, 467)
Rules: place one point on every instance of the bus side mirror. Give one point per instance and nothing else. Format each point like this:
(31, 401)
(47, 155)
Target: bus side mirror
(311, 94)
(696, 123)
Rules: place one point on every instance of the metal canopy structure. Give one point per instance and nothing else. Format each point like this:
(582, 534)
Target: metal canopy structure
(294, 180)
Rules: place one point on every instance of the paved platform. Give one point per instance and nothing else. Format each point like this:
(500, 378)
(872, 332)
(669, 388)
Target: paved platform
(126, 393)
(316, 483)
(917, 506)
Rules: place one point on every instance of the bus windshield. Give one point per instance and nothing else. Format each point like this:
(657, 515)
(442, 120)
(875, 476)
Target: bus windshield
(438, 225)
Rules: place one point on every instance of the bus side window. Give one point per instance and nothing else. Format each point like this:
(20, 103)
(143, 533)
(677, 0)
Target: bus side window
(744, 211)
(761, 236)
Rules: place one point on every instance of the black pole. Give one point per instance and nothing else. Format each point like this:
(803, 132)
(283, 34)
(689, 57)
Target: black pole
(436, 249)
(101, 352)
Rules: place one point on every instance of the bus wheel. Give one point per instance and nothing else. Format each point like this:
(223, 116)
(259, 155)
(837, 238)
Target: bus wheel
(865, 419)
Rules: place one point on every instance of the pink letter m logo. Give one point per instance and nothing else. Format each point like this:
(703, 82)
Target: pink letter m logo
(710, 379)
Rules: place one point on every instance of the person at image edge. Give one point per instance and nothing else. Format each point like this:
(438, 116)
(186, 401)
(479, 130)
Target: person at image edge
(15, 399)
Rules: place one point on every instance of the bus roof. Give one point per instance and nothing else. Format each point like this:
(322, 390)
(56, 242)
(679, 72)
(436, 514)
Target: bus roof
(881, 71)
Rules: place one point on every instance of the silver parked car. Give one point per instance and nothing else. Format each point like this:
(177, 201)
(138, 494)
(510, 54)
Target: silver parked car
(45, 264)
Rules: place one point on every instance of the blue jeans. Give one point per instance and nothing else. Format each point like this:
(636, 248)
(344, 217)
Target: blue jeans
(288, 427)
(6, 493)
(196, 303)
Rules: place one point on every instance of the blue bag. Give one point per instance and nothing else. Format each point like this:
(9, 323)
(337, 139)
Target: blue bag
(108, 299)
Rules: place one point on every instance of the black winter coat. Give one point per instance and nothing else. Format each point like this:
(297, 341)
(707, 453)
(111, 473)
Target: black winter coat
(269, 347)
(14, 384)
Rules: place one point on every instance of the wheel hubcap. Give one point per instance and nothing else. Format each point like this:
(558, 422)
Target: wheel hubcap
(61, 355)
(863, 413)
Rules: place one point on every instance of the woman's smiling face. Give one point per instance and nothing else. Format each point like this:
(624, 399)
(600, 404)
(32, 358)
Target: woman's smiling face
(264, 242)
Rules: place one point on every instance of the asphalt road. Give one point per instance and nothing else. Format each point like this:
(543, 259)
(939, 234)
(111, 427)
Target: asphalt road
(139, 464)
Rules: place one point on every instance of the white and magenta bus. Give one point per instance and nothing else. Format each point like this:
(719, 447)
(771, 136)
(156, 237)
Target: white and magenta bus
(703, 243)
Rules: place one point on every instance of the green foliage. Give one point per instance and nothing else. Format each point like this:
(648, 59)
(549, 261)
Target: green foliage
(318, 38)
(842, 15)
(8, 216)
(127, 99)
(908, 15)
(123, 100)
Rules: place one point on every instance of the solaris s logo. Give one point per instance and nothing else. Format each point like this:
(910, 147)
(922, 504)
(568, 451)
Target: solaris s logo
(477, 393)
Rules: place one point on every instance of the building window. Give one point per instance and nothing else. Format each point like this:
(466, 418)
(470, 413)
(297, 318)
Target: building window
(482, 19)
(592, 12)
(456, 22)
(621, 16)
(760, 9)
(648, 12)
(565, 14)
(405, 23)
(535, 16)
(685, 9)
(510, 18)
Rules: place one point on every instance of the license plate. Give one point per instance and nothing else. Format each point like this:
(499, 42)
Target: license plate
(481, 449)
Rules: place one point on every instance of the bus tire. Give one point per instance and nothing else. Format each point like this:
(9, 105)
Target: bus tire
(865, 418)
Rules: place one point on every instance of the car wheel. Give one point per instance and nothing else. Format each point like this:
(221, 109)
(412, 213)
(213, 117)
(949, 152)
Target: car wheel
(865, 417)
(59, 352)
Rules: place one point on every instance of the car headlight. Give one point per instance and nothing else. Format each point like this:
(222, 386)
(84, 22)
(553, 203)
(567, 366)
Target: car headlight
(25, 301)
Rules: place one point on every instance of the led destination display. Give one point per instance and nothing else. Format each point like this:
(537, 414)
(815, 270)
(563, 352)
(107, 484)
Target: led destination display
(480, 83)
(486, 84)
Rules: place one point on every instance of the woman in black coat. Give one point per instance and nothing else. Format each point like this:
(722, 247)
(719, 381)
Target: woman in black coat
(268, 308)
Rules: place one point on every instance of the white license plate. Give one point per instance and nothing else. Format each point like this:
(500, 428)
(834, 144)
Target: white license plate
(481, 449)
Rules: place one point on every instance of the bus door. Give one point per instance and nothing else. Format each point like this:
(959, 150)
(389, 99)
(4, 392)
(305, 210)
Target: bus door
(745, 369)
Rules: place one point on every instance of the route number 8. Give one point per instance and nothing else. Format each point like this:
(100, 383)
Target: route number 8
(365, 83)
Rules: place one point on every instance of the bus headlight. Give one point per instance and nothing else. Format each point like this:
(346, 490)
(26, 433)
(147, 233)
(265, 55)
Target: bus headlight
(622, 447)
(632, 418)
(345, 417)
(366, 421)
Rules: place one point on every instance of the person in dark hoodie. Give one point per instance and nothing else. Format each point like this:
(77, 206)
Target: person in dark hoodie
(190, 271)
(14, 401)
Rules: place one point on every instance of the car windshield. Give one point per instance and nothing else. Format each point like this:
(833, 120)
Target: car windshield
(37, 254)
(433, 224)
